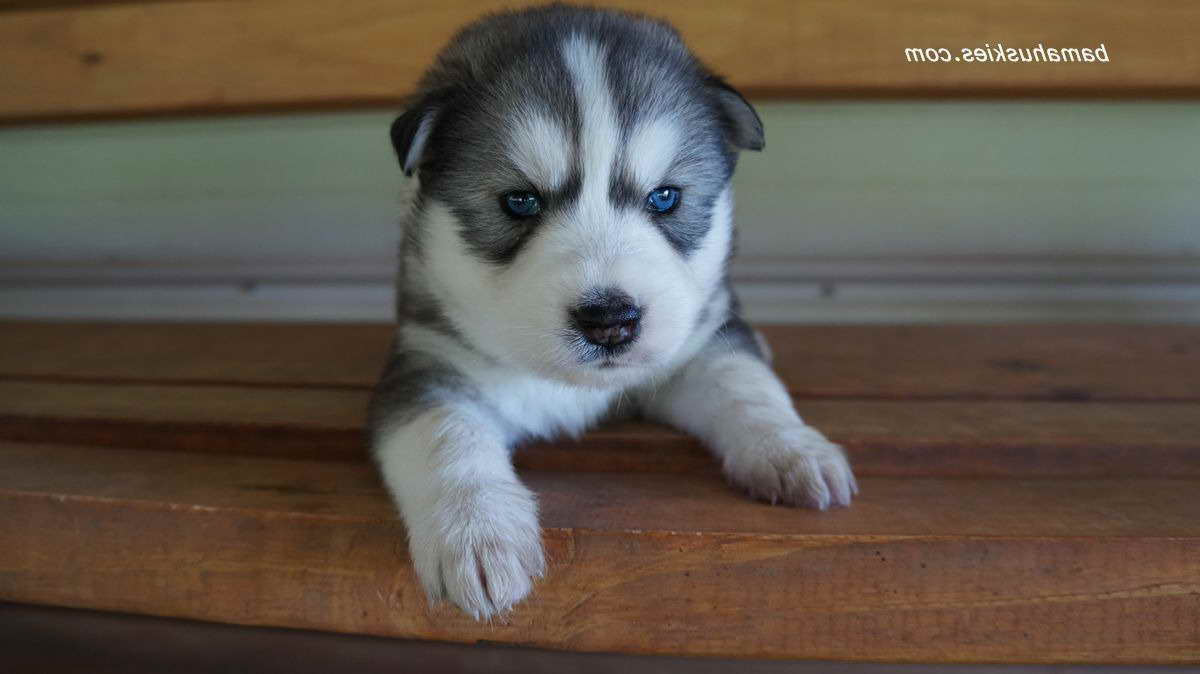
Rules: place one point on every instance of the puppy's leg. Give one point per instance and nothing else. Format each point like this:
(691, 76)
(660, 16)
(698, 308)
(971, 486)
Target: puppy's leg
(728, 397)
(472, 526)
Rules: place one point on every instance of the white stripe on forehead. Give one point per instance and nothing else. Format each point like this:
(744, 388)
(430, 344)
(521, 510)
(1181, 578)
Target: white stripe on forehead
(651, 151)
(541, 149)
(600, 133)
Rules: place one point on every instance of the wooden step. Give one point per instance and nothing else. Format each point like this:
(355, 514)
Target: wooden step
(883, 437)
(51, 640)
(122, 58)
(996, 362)
(217, 472)
(920, 569)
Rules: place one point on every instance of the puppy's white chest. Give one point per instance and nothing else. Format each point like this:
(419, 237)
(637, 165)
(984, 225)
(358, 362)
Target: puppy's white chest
(541, 408)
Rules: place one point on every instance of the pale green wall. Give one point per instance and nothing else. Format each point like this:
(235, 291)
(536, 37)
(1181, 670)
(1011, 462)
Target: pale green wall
(878, 188)
(836, 179)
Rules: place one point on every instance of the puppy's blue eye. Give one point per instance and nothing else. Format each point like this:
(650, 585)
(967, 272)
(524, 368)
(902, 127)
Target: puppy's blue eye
(662, 199)
(521, 204)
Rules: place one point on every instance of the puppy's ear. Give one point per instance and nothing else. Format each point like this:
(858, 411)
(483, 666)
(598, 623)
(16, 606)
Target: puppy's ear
(411, 132)
(743, 128)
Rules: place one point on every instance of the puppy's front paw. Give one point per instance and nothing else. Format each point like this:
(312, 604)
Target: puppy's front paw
(796, 466)
(481, 548)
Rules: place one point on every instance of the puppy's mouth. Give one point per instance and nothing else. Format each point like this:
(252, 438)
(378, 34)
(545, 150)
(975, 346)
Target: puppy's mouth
(608, 358)
(605, 370)
(628, 359)
(604, 355)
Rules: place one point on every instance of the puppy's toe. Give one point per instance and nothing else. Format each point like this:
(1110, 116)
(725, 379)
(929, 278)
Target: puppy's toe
(796, 468)
(484, 552)
(493, 575)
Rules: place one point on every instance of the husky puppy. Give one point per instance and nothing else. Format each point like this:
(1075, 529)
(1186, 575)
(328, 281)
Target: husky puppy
(564, 248)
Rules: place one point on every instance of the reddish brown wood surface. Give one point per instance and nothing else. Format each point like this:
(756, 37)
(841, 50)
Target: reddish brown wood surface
(885, 438)
(1029, 495)
(51, 640)
(923, 570)
(131, 58)
(1034, 362)
(620, 501)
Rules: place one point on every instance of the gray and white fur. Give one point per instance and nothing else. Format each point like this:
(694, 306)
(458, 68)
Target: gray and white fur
(516, 326)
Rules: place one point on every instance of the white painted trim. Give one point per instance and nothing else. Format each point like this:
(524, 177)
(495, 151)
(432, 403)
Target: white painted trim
(971, 269)
(956, 269)
(799, 302)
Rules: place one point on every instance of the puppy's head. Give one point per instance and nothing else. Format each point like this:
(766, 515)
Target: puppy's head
(573, 211)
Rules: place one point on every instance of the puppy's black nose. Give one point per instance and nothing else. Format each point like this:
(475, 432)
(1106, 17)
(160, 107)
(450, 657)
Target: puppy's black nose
(608, 318)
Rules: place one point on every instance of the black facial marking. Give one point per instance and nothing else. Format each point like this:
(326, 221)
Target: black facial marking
(621, 189)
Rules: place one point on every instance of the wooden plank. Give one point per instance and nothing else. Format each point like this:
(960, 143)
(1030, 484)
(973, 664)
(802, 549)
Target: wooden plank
(207, 56)
(884, 438)
(273, 354)
(1037, 362)
(983, 362)
(622, 502)
(9, 5)
(1088, 571)
(51, 640)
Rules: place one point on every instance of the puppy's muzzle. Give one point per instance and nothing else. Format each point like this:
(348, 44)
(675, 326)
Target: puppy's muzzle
(607, 318)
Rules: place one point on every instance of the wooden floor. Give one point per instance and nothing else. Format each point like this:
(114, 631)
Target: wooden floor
(1029, 494)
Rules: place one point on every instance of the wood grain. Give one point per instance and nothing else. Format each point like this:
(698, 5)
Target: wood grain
(989, 362)
(1028, 495)
(920, 570)
(25, 5)
(52, 640)
(221, 56)
(271, 354)
(884, 438)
